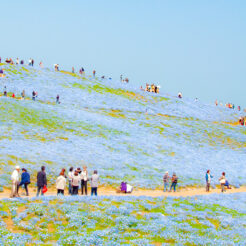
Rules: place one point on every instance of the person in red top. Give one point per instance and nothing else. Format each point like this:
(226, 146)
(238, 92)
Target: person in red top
(13, 95)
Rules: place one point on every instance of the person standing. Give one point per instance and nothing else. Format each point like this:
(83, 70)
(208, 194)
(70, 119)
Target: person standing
(208, 180)
(222, 180)
(41, 181)
(33, 95)
(166, 179)
(174, 182)
(15, 182)
(84, 178)
(17, 61)
(70, 177)
(61, 183)
(25, 180)
(75, 183)
(94, 73)
(94, 183)
(23, 94)
(57, 99)
(5, 91)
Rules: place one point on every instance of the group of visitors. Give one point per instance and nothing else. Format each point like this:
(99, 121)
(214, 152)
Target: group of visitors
(167, 179)
(151, 88)
(242, 121)
(223, 181)
(76, 179)
(126, 80)
(229, 105)
(18, 181)
(23, 95)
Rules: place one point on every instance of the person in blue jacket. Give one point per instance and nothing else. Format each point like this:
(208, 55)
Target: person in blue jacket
(208, 180)
(25, 180)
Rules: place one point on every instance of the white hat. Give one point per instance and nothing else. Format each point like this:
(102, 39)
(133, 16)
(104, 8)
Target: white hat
(17, 167)
(166, 172)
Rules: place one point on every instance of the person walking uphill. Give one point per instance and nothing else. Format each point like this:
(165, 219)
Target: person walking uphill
(25, 180)
(15, 181)
(174, 182)
(94, 183)
(166, 179)
(41, 181)
(61, 183)
(208, 180)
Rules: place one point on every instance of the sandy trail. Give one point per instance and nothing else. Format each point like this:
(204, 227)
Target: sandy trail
(140, 192)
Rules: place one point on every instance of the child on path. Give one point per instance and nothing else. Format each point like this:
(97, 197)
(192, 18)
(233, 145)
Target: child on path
(174, 182)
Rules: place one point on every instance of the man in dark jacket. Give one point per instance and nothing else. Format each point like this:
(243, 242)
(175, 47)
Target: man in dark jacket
(25, 180)
(41, 181)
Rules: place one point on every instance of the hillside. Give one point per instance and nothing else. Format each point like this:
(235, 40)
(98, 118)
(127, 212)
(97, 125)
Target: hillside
(124, 133)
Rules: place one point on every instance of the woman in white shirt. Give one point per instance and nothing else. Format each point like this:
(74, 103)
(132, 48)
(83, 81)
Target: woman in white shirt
(61, 183)
(84, 178)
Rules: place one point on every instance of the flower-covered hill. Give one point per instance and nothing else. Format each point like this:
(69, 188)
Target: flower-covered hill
(125, 133)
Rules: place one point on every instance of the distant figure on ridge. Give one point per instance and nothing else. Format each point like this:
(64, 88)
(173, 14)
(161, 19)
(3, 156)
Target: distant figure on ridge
(72, 69)
(17, 61)
(180, 95)
(58, 99)
(23, 94)
(94, 73)
(5, 91)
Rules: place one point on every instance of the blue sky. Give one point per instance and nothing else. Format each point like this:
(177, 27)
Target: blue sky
(196, 47)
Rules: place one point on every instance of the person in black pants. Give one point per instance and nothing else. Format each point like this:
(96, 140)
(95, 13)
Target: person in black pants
(25, 180)
(84, 178)
(41, 181)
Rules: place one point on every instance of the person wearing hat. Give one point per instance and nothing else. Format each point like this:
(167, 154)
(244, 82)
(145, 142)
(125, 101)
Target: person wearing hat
(15, 181)
(166, 179)
(25, 180)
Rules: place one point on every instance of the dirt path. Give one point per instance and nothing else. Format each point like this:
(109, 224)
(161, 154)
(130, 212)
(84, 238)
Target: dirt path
(140, 192)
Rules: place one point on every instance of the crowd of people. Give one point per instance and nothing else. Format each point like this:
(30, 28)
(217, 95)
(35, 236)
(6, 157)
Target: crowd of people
(151, 88)
(76, 179)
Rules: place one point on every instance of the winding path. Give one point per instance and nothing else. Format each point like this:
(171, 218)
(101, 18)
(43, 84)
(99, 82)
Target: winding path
(185, 192)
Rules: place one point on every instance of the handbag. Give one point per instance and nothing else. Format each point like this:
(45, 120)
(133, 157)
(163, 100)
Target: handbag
(44, 189)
